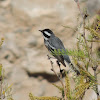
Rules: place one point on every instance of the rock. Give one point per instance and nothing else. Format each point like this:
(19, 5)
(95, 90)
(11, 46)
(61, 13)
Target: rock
(90, 95)
(5, 3)
(36, 8)
(92, 9)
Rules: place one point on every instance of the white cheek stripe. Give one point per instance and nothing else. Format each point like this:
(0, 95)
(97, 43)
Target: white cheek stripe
(47, 33)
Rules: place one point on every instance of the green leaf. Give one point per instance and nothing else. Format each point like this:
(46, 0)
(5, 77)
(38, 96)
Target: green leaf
(42, 98)
(0, 70)
(93, 31)
(67, 85)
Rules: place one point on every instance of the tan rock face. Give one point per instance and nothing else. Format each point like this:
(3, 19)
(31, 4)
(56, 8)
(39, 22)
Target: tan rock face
(23, 54)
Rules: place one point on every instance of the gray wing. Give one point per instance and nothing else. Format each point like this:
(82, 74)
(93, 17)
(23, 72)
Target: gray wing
(57, 43)
(51, 49)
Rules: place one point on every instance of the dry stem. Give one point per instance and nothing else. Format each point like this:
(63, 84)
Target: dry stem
(84, 16)
(58, 77)
(95, 75)
(1, 95)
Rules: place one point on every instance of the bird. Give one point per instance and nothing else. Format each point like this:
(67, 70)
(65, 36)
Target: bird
(53, 43)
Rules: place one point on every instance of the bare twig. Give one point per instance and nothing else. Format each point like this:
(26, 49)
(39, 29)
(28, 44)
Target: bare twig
(1, 91)
(95, 75)
(98, 72)
(91, 50)
(1, 82)
(78, 5)
(84, 16)
(1, 95)
(58, 77)
(93, 40)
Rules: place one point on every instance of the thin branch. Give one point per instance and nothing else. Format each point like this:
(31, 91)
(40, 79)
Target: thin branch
(93, 40)
(85, 38)
(84, 16)
(96, 85)
(58, 77)
(78, 5)
(98, 73)
(91, 50)
(1, 95)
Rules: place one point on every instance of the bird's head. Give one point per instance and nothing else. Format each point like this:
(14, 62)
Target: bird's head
(46, 33)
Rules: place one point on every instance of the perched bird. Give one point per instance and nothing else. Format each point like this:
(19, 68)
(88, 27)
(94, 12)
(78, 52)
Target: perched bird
(54, 43)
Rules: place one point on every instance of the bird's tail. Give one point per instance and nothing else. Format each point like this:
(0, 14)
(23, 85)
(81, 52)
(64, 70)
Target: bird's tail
(74, 69)
(67, 59)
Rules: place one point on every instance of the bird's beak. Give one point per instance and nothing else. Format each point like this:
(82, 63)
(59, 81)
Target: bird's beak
(40, 30)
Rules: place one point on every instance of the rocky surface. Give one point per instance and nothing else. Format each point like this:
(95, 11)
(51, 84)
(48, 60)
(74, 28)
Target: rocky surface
(23, 54)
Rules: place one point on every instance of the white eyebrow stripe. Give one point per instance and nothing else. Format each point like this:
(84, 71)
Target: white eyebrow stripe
(47, 33)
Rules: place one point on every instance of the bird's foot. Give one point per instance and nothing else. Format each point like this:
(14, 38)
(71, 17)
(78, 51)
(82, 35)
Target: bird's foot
(58, 63)
(61, 71)
(61, 75)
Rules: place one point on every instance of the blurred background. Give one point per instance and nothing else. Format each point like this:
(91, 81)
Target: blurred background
(23, 54)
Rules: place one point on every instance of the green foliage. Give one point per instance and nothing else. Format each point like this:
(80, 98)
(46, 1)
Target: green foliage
(31, 96)
(98, 52)
(2, 40)
(42, 98)
(68, 88)
(80, 89)
(0, 70)
(5, 89)
(93, 32)
(77, 53)
(87, 75)
(10, 99)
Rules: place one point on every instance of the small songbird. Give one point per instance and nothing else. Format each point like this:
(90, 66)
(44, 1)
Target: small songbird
(54, 43)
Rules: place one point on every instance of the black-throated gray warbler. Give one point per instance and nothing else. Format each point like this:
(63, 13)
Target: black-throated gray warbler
(54, 43)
